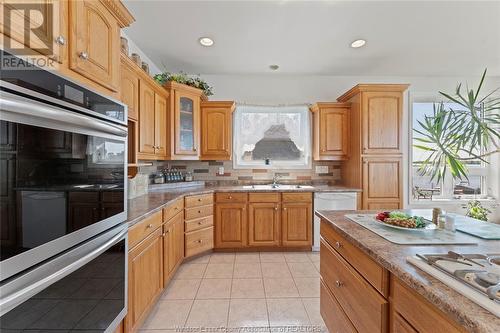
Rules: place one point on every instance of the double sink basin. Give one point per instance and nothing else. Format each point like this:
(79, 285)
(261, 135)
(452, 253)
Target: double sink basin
(277, 187)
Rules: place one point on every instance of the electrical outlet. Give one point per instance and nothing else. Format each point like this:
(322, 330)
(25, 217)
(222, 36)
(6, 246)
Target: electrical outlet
(321, 168)
(221, 171)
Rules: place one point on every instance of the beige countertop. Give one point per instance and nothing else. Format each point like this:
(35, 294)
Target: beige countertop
(145, 205)
(393, 257)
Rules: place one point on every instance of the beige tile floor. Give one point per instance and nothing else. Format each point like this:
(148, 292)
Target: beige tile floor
(242, 292)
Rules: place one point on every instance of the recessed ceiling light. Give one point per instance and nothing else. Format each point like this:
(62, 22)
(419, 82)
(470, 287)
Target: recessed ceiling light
(274, 67)
(358, 43)
(206, 41)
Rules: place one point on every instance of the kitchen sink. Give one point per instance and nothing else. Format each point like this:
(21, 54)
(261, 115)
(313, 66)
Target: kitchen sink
(277, 187)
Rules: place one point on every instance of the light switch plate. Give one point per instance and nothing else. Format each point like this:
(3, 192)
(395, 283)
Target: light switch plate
(221, 171)
(321, 168)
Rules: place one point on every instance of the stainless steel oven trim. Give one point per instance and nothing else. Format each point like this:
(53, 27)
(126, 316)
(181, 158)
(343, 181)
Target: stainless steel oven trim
(22, 288)
(65, 104)
(19, 109)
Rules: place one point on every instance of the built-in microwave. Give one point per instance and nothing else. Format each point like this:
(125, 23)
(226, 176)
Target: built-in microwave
(63, 154)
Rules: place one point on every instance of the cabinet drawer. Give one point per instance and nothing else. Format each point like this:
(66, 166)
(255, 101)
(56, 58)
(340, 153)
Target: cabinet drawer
(400, 325)
(297, 197)
(375, 274)
(264, 197)
(427, 318)
(231, 197)
(198, 212)
(333, 315)
(367, 310)
(142, 229)
(172, 210)
(199, 200)
(200, 223)
(199, 241)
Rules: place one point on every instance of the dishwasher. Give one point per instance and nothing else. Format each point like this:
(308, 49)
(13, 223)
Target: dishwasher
(331, 201)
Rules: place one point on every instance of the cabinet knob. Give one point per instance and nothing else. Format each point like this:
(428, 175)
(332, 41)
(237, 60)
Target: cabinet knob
(150, 226)
(276, 208)
(200, 241)
(339, 283)
(229, 197)
(284, 208)
(338, 245)
(199, 199)
(200, 223)
(199, 212)
(194, 148)
(164, 234)
(60, 40)
(83, 55)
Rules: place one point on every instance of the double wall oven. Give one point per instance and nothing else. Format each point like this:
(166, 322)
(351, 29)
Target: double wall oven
(63, 190)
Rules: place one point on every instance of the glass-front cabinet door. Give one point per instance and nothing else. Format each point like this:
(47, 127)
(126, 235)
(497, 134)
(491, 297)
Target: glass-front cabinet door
(187, 124)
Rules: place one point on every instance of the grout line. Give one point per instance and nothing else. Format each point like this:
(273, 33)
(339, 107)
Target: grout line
(196, 294)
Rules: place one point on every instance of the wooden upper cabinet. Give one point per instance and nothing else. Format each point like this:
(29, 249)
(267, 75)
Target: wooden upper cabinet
(230, 225)
(146, 119)
(331, 131)
(129, 88)
(264, 222)
(382, 183)
(382, 122)
(95, 43)
(160, 126)
(50, 19)
(216, 130)
(184, 121)
(296, 227)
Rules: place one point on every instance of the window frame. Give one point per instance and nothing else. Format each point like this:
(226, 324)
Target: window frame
(448, 184)
(275, 165)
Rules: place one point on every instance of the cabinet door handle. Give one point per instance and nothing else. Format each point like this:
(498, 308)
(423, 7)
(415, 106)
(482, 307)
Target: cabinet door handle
(339, 283)
(83, 55)
(338, 245)
(60, 40)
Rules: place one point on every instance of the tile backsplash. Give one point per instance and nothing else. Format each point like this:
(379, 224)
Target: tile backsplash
(209, 171)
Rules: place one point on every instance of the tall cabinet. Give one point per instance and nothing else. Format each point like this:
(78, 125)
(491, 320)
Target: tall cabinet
(375, 145)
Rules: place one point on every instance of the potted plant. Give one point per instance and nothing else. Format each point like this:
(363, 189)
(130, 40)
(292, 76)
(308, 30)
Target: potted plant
(477, 211)
(453, 137)
(183, 78)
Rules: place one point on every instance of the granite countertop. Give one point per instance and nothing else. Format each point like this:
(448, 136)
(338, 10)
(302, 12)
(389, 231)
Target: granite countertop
(393, 257)
(145, 205)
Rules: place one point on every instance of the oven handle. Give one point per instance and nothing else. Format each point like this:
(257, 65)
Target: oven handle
(14, 299)
(17, 108)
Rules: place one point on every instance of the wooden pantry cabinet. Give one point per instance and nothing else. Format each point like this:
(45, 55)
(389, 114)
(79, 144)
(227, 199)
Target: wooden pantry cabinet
(83, 37)
(216, 130)
(375, 145)
(331, 131)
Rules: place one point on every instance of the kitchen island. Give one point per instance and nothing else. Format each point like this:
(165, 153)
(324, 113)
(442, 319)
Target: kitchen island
(368, 286)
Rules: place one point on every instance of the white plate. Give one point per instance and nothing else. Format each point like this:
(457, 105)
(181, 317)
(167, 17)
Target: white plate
(428, 226)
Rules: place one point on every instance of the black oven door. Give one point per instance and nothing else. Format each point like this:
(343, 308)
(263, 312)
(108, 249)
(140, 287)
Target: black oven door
(63, 180)
(82, 290)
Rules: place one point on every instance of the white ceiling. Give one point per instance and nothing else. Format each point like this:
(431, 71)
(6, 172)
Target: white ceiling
(404, 38)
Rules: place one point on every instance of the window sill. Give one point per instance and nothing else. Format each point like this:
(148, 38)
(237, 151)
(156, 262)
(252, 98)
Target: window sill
(452, 201)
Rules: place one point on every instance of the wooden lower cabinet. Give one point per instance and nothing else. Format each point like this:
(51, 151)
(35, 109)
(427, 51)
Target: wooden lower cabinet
(145, 278)
(264, 222)
(231, 225)
(296, 224)
(427, 318)
(173, 246)
(335, 319)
